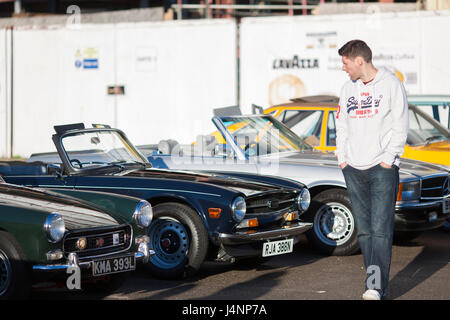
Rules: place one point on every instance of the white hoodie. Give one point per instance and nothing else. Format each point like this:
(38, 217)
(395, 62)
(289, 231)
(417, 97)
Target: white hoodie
(372, 121)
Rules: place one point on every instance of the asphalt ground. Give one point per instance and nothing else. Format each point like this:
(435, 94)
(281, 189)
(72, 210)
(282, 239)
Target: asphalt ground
(420, 270)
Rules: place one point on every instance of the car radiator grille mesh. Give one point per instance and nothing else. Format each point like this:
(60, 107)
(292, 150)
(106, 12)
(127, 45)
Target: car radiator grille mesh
(269, 203)
(98, 241)
(435, 187)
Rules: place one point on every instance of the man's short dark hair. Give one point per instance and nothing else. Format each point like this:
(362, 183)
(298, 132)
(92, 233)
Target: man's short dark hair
(355, 48)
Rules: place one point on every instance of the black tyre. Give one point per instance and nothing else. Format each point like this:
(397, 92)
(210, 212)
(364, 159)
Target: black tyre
(405, 236)
(180, 240)
(334, 229)
(15, 280)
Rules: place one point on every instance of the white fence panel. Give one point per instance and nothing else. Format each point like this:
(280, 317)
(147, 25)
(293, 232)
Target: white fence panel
(287, 57)
(5, 96)
(435, 63)
(174, 74)
(60, 77)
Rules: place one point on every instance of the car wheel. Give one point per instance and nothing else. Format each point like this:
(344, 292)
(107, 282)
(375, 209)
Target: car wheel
(334, 229)
(179, 239)
(15, 282)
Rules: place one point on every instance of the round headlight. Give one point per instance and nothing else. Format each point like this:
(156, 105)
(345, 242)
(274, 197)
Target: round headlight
(143, 214)
(303, 200)
(55, 227)
(238, 208)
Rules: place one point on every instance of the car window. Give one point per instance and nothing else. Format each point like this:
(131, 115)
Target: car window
(422, 131)
(262, 135)
(439, 112)
(331, 129)
(305, 123)
(97, 148)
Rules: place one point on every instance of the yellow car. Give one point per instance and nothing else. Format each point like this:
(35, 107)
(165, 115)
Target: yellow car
(313, 119)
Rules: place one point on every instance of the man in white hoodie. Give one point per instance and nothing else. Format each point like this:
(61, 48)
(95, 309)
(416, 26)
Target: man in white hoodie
(372, 126)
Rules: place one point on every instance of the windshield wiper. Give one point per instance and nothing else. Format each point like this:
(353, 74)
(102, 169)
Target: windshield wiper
(429, 139)
(117, 164)
(145, 165)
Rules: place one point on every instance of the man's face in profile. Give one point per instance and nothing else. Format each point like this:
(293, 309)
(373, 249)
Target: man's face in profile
(352, 67)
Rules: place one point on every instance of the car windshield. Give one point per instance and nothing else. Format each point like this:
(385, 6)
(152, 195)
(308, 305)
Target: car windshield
(259, 135)
(99, 148)
(305, 123)
(438, 110)
(423, 130)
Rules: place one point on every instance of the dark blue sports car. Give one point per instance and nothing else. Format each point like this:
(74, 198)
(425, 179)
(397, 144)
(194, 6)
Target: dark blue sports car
(196, 215)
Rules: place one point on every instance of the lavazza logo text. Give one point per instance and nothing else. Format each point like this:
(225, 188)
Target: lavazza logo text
(295, 63)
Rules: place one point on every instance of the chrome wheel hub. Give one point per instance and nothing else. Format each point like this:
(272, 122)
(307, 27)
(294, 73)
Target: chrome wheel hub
(334, 224)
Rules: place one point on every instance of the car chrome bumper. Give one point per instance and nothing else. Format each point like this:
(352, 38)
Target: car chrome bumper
(245, 237)
(421, 205)
(73, 261)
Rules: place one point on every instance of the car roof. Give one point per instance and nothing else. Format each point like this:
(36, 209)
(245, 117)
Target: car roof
(429, 98)
(330, 101)
(319, 101)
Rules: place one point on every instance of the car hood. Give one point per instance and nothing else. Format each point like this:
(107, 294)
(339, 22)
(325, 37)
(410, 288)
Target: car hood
(408, 167)
(436, 146)
(76, 214)
(434, 152)
(246, 187)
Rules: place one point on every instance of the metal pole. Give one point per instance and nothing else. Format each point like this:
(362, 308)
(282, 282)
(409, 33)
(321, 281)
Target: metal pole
(179, 9)
(11, 86)
(17, 6)
(208, 9)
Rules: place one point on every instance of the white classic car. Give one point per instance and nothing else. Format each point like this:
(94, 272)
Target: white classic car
(260, 144)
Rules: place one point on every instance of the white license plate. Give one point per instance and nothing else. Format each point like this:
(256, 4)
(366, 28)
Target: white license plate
(113, 265)
(274, 248)
(446, 206)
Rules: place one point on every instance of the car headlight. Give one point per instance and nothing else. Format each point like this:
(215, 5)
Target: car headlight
(303, 200)
(409, 191)
(238, 209)
(55, 227)
(143, 214)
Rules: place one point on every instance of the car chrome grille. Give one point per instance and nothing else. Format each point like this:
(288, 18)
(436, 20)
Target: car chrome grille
(271, 202)
(98, 241)
(435, 187)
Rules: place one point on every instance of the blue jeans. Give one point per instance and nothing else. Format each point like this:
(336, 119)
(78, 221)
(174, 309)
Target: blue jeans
(373, 193)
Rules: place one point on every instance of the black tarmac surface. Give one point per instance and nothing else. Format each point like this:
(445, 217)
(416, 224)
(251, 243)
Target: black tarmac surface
(420, 270)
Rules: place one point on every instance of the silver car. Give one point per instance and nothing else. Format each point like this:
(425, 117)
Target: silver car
(261, 144)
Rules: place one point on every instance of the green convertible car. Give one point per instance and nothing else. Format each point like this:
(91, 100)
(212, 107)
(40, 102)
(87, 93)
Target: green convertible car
(98, 237)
